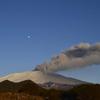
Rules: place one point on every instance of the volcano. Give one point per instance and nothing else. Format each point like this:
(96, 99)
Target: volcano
(40, 77)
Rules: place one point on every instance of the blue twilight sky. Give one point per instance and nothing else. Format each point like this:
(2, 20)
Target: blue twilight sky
(32, 31)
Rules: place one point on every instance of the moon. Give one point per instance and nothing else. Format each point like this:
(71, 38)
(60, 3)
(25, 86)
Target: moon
(29, 35)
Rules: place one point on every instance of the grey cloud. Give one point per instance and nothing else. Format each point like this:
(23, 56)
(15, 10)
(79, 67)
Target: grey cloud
(78, 56)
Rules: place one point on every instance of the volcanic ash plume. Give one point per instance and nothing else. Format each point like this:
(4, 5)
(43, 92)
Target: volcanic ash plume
(78, 56)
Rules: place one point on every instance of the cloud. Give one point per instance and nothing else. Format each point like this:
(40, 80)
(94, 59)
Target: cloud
(78, 56)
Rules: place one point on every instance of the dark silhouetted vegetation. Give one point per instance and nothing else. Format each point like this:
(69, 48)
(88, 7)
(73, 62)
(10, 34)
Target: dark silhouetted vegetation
(28, 90)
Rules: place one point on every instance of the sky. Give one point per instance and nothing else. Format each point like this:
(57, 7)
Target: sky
(32, 31)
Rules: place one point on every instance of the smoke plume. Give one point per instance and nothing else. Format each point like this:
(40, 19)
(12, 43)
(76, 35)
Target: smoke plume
(78, 56)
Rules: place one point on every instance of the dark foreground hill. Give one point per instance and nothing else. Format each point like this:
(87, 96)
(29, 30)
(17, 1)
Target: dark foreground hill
(85, 92)
(28, 90)
(24, 87)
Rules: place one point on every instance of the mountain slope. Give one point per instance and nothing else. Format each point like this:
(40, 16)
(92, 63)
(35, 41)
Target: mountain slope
(40, 78)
